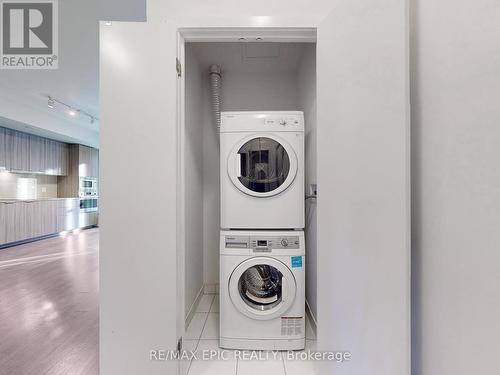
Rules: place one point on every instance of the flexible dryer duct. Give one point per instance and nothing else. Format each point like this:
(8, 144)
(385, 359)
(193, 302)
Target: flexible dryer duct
(215, 88)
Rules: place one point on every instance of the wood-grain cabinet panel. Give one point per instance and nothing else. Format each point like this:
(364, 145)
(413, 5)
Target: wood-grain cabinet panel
(22, 152)
(24, 220)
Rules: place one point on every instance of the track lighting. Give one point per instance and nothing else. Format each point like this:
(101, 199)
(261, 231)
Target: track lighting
(72, 111)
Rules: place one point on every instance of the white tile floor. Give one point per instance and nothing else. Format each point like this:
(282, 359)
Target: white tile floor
(203, 334)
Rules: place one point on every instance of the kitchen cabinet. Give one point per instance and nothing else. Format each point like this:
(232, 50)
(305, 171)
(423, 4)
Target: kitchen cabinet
(19, 147)
(94, 162)
(88, 162)
(68, 211)
(30, 153)
(3, 223)
(63, 158)
(24, 220)
(48, 156)
(51, 157)
(4, 150)
(36, 154)
(84, 161)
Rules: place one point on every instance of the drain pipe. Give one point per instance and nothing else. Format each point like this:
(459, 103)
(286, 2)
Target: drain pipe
(215, 88)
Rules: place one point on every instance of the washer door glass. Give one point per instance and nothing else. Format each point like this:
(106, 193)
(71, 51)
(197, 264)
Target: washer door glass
(260, 287)
(264, 164)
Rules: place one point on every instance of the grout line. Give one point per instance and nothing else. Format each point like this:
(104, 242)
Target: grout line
(213, 301)
(283, 362)
(204, 324)
(195, 349)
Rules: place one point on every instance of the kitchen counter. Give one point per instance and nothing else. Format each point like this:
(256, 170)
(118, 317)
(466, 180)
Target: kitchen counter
(13, 200)
(22, 220)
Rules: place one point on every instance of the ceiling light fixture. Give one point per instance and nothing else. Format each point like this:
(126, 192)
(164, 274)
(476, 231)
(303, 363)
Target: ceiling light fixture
(72, 111)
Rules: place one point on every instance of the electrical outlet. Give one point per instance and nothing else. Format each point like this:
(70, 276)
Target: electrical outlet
(44, 189)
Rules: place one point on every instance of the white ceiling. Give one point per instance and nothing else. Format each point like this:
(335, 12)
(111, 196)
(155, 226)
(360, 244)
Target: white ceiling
(76, 82)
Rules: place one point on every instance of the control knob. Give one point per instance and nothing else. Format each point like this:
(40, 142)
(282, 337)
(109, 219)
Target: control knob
(282, 122)
(284, 242)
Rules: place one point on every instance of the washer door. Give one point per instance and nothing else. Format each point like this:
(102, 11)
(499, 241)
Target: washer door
(262, 288)
(262, 165)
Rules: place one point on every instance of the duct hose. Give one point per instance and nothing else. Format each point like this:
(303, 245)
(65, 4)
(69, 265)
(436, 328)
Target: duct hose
(215, 88)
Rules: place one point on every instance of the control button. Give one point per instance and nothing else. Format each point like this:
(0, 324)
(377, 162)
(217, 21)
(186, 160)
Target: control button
(284, 242)
(283, 122)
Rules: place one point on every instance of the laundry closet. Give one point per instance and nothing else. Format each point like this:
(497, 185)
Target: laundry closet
(255, 76)
(159, 254)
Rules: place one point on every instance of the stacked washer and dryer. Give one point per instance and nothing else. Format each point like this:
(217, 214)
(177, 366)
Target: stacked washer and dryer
(262, 246)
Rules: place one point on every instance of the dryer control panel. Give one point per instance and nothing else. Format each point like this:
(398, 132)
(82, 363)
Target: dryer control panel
(262, 243)
(250, 121)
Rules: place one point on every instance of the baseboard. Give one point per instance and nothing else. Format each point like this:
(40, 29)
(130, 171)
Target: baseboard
(194, 306)
(312, 319)
(39, 238)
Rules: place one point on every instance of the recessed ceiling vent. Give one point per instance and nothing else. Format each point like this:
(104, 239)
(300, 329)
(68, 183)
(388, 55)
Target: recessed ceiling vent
(261, 51)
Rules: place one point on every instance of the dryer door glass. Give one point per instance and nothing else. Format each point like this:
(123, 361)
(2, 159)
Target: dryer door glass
(264, 164)
(260, 287)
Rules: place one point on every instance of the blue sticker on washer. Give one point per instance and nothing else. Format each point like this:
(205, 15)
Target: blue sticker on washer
(296, 261)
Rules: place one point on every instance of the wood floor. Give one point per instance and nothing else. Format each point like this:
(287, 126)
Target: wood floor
(49, 306)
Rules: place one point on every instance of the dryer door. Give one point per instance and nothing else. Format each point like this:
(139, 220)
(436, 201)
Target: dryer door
(262, 288)
(262, 165)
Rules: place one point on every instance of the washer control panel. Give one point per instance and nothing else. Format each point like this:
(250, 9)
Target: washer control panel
(262, 243)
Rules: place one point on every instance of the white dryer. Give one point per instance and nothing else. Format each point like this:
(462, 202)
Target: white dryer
(262, 290)
(262, 170)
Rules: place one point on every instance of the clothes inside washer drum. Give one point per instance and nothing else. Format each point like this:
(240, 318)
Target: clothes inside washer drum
(262, 284)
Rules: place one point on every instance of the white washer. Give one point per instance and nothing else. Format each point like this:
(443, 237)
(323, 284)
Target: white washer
(262, 170)
(262, 290)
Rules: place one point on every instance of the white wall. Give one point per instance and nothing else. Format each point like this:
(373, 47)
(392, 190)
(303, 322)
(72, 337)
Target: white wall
(277, 13)
(193, 179)
(456, 186)
(307, 103)
(138, 199)
(363, 187)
